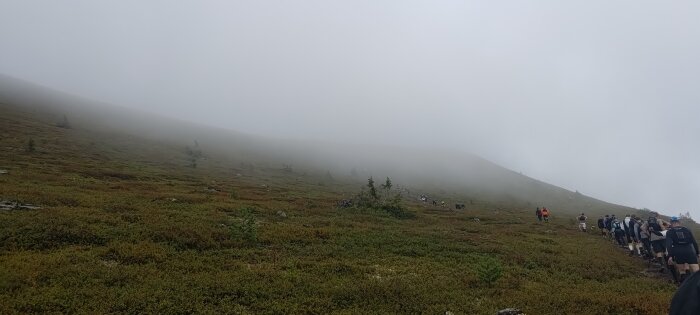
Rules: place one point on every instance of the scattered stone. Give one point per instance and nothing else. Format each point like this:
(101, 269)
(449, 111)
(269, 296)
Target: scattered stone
(4, 172)
(109, 263)
(211, 190)
(510, 311)
(449, 313)
(238, 175)
(173, 199)
(281, 214)
(11, 205)
(345, 203)
(477, 220)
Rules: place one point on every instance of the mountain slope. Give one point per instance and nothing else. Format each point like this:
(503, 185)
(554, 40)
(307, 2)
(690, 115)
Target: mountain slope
(127, 226)
(437, 172)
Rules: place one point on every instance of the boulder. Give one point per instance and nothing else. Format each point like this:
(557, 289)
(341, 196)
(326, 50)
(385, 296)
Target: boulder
(510, 311)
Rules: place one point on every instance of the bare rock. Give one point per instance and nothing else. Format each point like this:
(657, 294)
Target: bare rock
(510, 311)
(11, 205)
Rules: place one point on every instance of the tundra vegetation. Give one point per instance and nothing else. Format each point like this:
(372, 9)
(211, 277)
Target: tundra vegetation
(125, 226)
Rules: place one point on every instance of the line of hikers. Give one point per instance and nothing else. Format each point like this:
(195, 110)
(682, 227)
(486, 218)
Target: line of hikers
(668, 244)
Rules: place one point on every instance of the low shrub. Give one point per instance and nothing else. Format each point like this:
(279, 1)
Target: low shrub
(489, 270)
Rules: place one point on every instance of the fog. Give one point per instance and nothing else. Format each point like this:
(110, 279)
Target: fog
(594, 96)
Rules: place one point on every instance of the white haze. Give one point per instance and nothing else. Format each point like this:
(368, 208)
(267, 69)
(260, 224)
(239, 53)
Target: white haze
(596, 96)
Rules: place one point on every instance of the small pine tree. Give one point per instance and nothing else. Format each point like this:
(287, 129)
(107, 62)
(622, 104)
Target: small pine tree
(63, 123)
(247, 228)
(249, 225)
(193, 155)
(387, 184)
(372, 189)
(30, 145)
(489, 270)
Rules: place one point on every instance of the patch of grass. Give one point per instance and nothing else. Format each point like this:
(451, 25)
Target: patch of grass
(127, 228)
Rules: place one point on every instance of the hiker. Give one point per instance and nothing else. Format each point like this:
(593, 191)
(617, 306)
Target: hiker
(618, 231)
(685, 301)
(635, 235)
(682, 249)
(655, 227)
(582, 222)
(644, 238)
(628, 226)
(608, 227)
(601, 226)
(538, 212)
(545, 214)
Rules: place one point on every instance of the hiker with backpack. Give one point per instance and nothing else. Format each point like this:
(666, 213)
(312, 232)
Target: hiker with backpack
(601, 226)
(656, 229)
(628, 226)
(644, 239)
(618, 231)
(538, 213)
(545, 214)
(608, 226)
(582, 222)
(635, 235)
(682, 249)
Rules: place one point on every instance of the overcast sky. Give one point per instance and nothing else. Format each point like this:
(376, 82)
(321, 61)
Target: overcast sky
(597, 96)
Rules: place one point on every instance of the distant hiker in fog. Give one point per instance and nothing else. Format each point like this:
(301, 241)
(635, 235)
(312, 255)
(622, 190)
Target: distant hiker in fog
(582, 222)
(682, 249)
(545, 214)
(538, 212)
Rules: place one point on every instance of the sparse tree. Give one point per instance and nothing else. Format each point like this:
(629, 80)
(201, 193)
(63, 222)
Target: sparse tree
(387, 184)
(193, 155)
(63, 123)
(372, 189)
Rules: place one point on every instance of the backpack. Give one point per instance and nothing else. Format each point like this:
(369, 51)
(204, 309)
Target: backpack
(582, 218)
(654, 227)
(616, 225)
(682, 236)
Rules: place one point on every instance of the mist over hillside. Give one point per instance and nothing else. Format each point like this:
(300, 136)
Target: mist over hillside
(441, 173)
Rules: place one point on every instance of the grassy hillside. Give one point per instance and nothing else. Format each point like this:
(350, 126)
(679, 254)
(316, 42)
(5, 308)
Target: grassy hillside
(126, 226)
